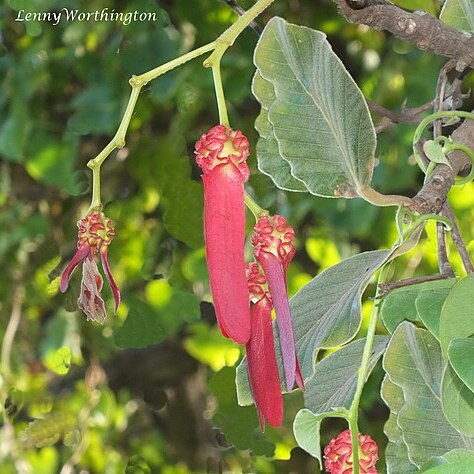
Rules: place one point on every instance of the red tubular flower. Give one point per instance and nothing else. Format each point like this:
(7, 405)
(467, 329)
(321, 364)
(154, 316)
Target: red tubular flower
(261, 358)
(95, 235)
(338, 454)
(274, 250)
(221, 154)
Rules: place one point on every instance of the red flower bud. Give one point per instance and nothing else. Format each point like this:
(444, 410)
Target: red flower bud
(338, 454)
(94, 236)
(221, 153)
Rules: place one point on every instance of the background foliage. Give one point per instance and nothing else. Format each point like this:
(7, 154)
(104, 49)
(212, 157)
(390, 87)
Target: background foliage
(153, 389)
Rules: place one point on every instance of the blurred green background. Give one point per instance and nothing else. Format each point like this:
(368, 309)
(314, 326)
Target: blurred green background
(153, 389)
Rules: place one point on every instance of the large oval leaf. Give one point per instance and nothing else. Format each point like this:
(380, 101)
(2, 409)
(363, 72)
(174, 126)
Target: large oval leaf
(414, 363)
(319, 116)
(457, 315)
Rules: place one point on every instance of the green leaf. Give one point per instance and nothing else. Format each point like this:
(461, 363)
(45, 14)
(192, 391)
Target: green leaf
(240, 424)
(396, 452)
(434, 152)
(451, 457)
(268, 155)
(334, 381)
(429, 304)
(182, 196)
(146, 325)
(306, 429)
(319, 116)
(459, 14)
(58, 361)
(414, 363)
(326, 311)
(429, 6)
(402, 303)
(461, 355)
(50, 160)
(463, 467)
(458, 402)
(457, 315)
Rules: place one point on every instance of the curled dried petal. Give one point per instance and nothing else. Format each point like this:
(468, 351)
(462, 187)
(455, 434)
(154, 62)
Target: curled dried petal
(90, 300)
(78, 258)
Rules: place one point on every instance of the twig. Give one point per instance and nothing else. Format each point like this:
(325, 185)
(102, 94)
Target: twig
(391, 118)
(386, 288)
(443, 260)
(12, 327)
(457, 239)
(420, 28)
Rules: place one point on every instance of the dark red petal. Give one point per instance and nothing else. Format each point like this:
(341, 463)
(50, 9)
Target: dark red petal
(79, 256)
(105, 265)
(224, 228)
(263, 368)
(276, 280)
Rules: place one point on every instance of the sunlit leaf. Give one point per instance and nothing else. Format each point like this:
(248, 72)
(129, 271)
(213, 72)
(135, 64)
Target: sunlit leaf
(459, 14)
(461, 355)
(458, 402)
(457, 315)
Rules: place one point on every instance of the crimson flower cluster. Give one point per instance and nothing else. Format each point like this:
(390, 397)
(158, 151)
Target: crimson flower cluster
(221, 153)
(338, 454)
(95, 234)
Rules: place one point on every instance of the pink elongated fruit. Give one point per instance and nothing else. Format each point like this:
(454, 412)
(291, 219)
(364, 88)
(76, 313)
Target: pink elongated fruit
(261, 358)
(221, 154)
(274, 250)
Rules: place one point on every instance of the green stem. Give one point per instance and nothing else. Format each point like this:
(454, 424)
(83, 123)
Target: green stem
(96, 200)
(221, 106)
(425, 122)
(363, 372)
(257, 211)
(464, 148)
(229, 36)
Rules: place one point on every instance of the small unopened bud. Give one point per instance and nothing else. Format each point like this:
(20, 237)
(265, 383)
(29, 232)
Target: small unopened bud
(338, 457)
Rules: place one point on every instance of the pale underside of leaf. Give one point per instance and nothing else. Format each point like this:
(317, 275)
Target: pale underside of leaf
(334, 381)
(269, 159)
(396, 452)
(319, 116)
(413, 362)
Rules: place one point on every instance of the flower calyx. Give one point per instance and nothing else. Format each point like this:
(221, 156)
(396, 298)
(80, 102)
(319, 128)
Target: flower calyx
(95, 233)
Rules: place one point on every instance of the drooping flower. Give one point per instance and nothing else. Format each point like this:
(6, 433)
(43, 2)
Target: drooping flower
(221, 154)
(338, 454)
(273, 248)
(261, 358)
(94, 236)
